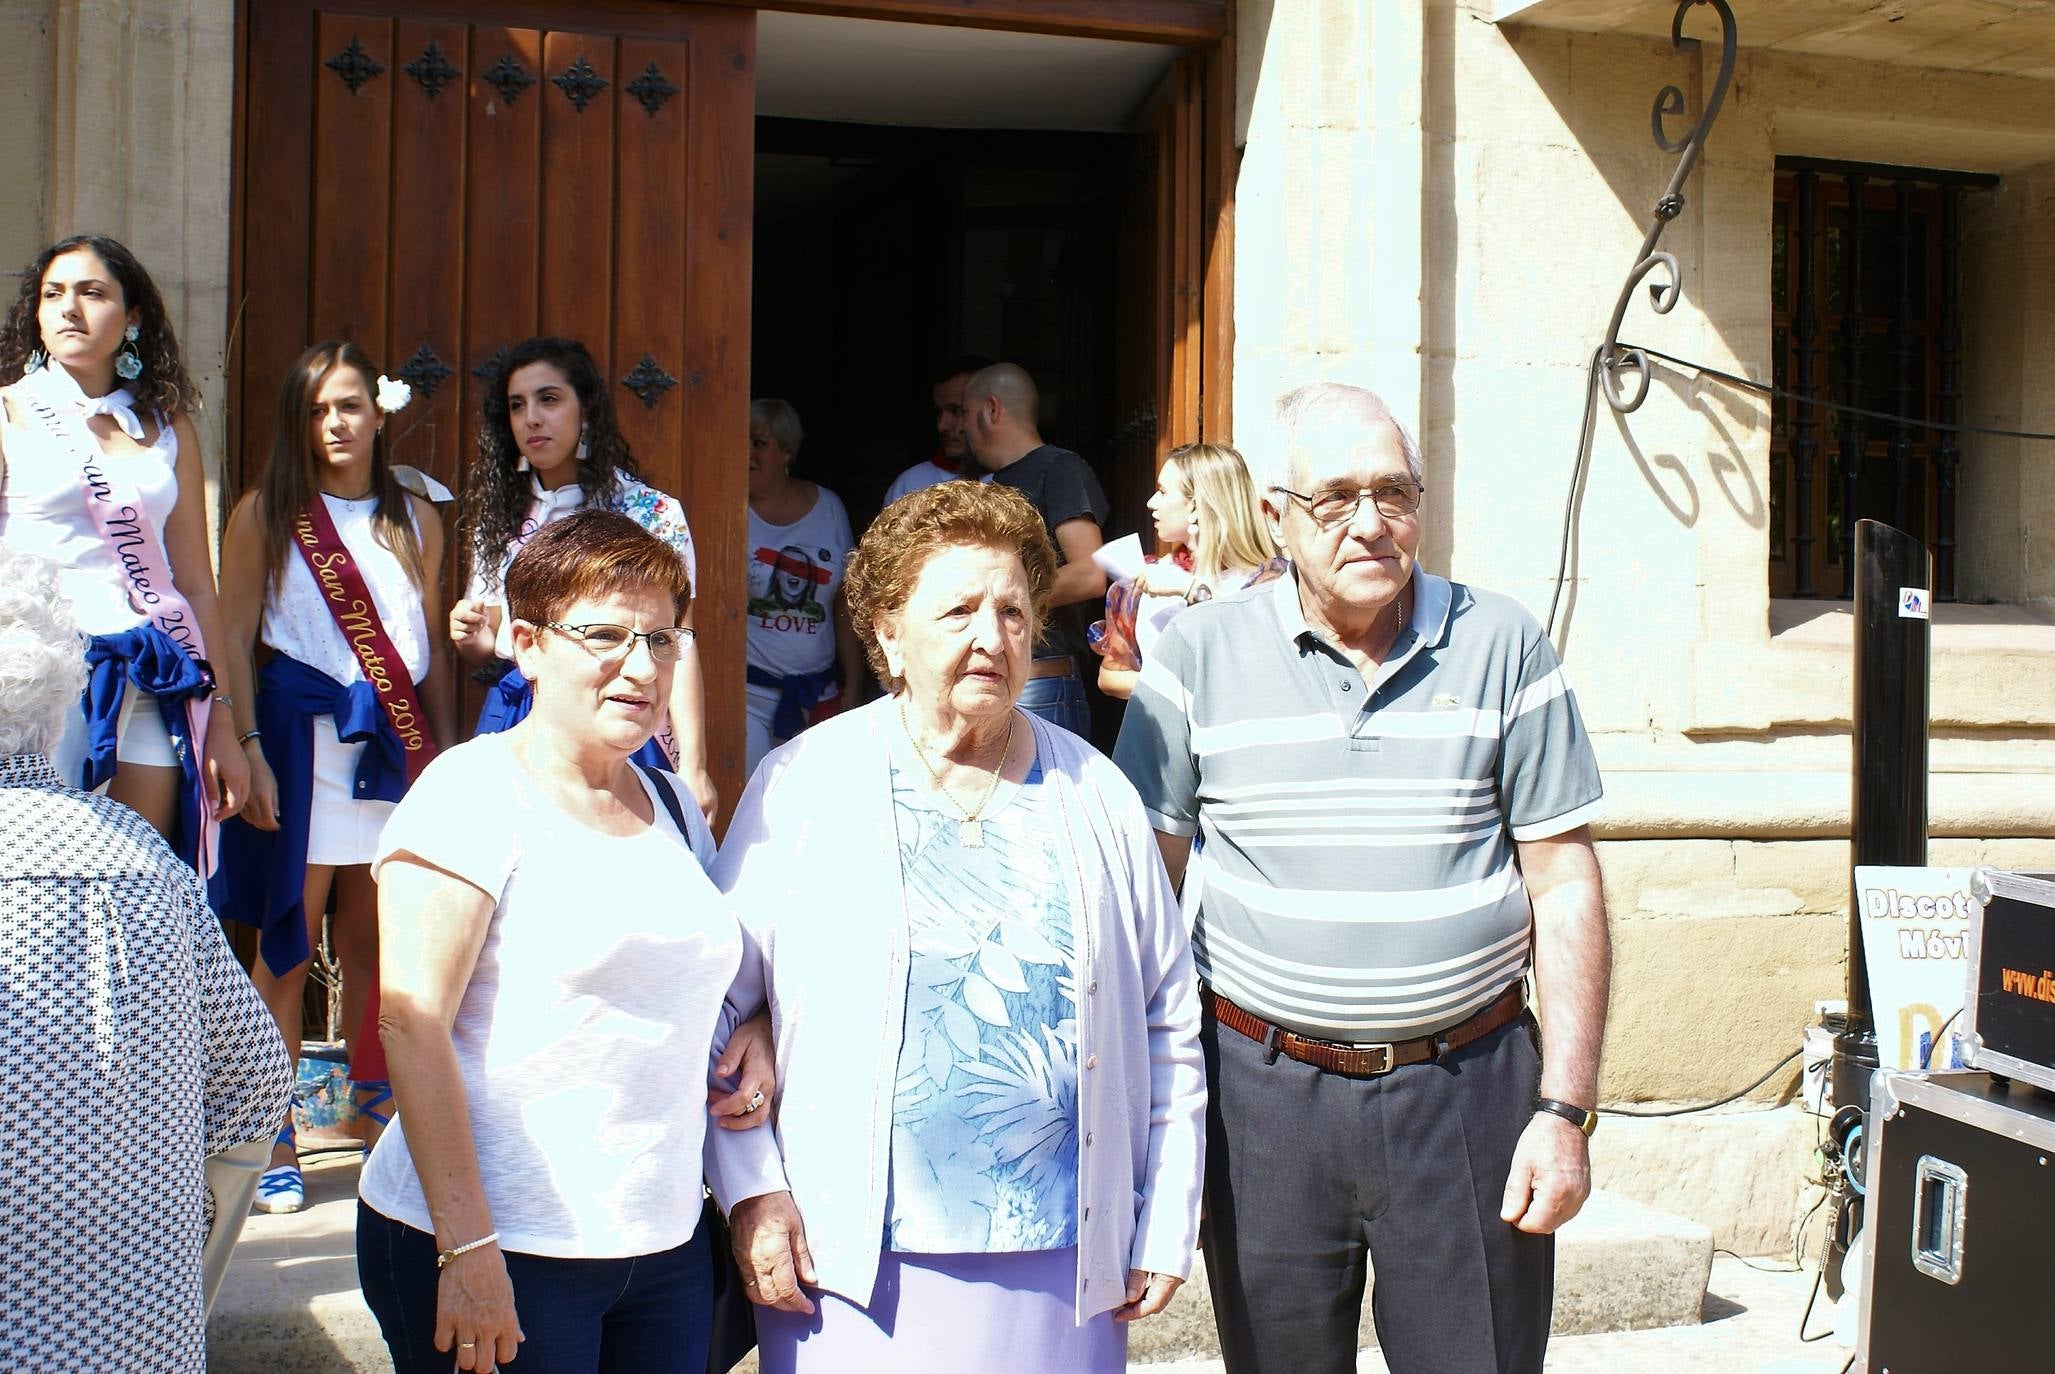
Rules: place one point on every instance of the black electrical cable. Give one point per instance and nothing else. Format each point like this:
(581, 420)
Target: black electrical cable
(1576, 481)
(1774, 1070)
(1764, 389)
(1927, 1060)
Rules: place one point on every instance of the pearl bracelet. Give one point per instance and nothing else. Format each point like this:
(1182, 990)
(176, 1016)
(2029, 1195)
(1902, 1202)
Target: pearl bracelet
(443, 1259)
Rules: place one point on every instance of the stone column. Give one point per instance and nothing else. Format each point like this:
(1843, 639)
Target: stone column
(138, 108)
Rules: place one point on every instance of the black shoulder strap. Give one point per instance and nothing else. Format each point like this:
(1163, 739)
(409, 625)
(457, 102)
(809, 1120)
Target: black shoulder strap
(669, 798)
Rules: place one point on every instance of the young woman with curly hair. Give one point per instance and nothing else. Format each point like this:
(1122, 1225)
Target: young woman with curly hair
(350, 704)
(550, 445)
(100, 472)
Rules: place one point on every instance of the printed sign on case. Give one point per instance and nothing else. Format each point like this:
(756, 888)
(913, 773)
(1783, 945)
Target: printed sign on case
(1913, 603)
(1915, 937)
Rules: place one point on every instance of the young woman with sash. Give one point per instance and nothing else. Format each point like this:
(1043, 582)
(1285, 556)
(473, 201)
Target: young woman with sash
(550, 445)
(100, 472)
(335, 569)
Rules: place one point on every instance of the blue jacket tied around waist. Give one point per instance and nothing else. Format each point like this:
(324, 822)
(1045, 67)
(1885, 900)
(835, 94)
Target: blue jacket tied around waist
(151, 661)
(264, 872)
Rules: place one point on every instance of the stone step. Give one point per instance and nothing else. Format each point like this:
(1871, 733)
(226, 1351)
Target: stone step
(290, 1304)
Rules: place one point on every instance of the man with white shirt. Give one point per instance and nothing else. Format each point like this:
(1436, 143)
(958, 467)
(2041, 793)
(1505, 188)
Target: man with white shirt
(1392, 787)
(950, 447)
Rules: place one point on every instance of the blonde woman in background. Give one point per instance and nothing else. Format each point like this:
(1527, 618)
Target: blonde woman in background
(1207, 510)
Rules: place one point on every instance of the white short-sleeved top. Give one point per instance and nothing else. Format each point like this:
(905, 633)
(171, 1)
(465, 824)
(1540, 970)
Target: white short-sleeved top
(43, 511)
(297, 621)
(584, 1032)
(794, 572)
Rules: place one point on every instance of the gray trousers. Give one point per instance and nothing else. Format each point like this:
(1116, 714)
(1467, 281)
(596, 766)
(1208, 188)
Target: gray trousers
(1309, 1174)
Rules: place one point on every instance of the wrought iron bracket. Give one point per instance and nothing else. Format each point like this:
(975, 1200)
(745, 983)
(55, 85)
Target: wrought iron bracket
(424, 371)
(1618, 362)
(648, 380)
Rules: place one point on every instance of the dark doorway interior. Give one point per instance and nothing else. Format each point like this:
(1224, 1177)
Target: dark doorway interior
(881, 252)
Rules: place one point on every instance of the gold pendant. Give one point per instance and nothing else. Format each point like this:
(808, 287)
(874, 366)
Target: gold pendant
(971, 834)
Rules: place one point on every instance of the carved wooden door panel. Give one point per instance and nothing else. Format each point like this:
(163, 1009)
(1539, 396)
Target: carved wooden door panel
(437, 181)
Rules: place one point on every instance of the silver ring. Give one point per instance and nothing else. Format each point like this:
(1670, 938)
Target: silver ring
(755, 1101)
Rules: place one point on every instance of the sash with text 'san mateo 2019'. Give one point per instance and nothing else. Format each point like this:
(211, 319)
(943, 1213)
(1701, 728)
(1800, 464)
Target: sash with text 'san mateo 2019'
(350, 606)
(116, 510)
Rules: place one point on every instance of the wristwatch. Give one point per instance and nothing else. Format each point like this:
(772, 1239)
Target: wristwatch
(1582, 1118)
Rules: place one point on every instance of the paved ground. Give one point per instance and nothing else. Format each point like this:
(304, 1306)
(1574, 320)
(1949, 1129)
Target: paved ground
(290, 1304)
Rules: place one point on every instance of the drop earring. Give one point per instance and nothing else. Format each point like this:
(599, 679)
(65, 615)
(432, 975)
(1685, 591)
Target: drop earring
(35, 362)
(128, 363)
(584, 448)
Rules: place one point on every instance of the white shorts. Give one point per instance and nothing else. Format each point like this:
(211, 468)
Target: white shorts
(340, 829)
(139, 738)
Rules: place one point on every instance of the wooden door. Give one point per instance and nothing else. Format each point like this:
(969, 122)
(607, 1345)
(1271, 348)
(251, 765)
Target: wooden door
(437, 181)
(1176, 329)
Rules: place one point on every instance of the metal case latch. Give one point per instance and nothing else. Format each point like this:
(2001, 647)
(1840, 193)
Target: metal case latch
(1939, 1205)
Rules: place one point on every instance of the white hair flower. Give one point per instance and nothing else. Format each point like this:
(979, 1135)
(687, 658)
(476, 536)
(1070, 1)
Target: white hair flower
(393, 394)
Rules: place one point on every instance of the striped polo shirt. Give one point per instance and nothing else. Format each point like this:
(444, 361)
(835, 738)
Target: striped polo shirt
(1356, 876)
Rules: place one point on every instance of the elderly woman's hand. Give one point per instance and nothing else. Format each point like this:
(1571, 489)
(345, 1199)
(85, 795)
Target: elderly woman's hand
(769, 1240)
(474, 1310)
(750, 1062)
(1147, 1294)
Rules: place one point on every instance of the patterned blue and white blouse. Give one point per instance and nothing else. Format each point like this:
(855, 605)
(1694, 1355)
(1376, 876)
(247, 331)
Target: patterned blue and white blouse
(984, 1119)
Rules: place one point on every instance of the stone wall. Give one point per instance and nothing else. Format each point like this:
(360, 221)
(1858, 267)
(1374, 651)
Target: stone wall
(118, 119)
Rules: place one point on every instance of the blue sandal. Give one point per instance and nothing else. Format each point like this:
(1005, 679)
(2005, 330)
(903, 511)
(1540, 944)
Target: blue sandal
(284, 1188)
(379, 1092)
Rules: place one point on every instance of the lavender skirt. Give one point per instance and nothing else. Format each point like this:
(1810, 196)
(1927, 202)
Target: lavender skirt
(968, 1314)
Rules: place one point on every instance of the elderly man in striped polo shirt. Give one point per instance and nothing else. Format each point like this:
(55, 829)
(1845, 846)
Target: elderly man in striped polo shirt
(1389, 785)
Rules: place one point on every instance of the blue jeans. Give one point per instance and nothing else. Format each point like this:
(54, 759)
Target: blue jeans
(1060, 701)
(650, 1314)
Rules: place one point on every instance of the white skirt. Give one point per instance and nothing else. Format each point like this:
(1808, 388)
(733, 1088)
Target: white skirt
(139, 737)
(340, 829)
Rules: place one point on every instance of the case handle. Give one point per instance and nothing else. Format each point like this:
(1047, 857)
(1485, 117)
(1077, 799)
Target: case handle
(1940, 1205)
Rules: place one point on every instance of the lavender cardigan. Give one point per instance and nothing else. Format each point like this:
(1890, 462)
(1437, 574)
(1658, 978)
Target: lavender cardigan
(812, 861)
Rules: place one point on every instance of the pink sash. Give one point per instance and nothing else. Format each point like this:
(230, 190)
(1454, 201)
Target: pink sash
(117, 513)
(356, 615)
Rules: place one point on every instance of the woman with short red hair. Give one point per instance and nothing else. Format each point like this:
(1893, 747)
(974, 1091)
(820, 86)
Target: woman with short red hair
(554, 956)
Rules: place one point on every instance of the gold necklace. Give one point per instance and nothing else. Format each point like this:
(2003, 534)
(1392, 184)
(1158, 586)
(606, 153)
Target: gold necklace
(970, 831)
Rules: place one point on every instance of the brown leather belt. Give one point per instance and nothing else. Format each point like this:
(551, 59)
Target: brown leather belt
(1367, 1061)
(1053, 667)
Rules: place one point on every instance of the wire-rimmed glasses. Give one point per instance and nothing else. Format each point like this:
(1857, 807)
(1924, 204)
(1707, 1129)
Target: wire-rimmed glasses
(609, 642)
(1338, 506)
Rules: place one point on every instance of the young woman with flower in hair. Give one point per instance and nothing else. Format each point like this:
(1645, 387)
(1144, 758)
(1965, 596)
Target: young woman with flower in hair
(1207, 510)
(334, 569)
(550, 445)
(100, 472)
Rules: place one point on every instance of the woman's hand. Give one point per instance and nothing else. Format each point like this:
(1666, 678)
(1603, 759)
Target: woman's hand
(224, 771)
(260, 806)
(474, 1310)
(770, 1249)
(471, 630)
(1163, 579)
(1147, 1294)
(750, 1062)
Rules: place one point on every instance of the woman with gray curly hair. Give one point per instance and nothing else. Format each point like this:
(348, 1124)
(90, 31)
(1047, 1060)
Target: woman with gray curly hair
(115, 982)
(988, 1151)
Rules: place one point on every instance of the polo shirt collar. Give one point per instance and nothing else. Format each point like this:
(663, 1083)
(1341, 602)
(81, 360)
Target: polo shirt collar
(1433, 598)
(28, 770)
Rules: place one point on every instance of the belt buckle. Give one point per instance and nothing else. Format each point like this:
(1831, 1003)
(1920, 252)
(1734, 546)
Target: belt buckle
(1385, 1051)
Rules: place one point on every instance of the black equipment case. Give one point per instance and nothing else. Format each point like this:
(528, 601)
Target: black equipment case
(2009, 1010)
(1959, 1266)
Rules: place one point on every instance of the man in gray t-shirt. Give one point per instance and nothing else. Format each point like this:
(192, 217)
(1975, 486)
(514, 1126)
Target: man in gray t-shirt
(1390, 786)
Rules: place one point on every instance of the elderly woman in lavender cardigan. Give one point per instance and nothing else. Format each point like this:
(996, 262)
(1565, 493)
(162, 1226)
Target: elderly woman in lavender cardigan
(989, 1134)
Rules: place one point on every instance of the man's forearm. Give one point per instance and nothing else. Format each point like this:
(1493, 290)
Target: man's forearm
(1572, 979)
(1077, 582)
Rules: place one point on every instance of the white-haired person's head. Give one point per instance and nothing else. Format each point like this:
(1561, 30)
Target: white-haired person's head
(42, 656)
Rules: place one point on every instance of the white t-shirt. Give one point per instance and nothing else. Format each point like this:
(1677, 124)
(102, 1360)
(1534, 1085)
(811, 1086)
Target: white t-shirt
(925, 473)
(583, 1036)
(794, 572)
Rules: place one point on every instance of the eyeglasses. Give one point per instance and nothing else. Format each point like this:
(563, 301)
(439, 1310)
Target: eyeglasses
(1394, 501)
(608, 642)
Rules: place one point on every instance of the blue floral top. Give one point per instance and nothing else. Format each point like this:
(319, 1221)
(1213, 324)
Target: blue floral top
(984, 1119)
